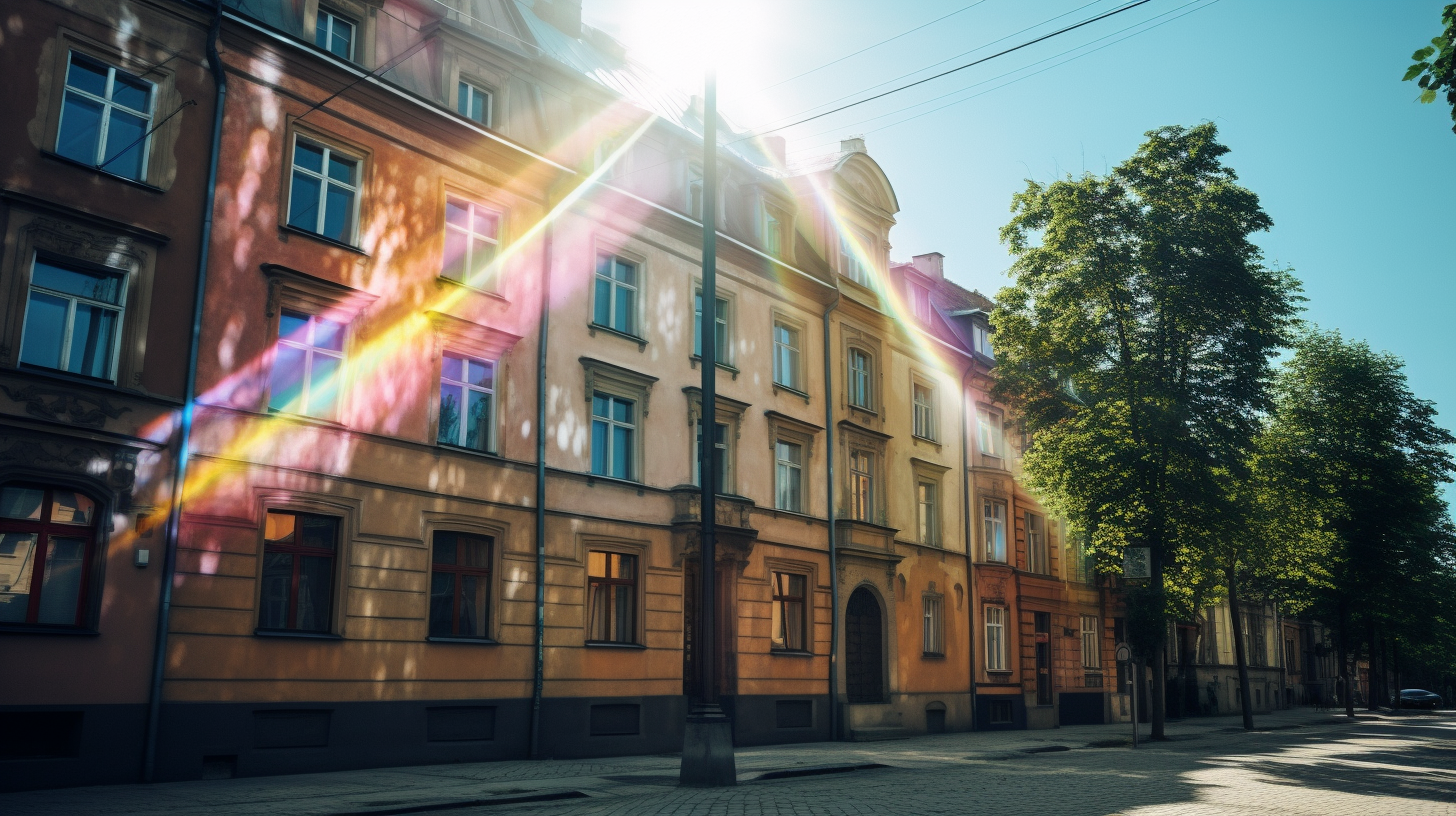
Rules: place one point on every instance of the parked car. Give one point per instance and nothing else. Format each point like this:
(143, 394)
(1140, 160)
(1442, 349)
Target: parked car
(1419, 698)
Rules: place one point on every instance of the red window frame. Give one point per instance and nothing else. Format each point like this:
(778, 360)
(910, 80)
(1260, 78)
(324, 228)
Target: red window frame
(44, 529)
(460, 572)
(298, 551)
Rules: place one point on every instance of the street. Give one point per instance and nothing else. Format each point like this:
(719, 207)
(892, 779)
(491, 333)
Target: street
(1300, 762)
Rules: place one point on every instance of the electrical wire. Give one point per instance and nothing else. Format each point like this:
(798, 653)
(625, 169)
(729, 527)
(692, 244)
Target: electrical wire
(870, 47)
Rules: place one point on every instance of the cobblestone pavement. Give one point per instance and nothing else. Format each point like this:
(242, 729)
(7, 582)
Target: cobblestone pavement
(1300, 762)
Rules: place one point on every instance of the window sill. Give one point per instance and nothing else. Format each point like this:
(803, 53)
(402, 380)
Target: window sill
(593, 328)
(607, 644)
(929, 440)
(472, 641)
(790, 653)
(854, 409)
(932, 656)
(592, 478)
(288, 633)
(789, 389)
(696, 360)
(151, 188)
(306, 419)
(441, 280)
(1000, 674)
(462, 449)
(43, 629)
(289, 228)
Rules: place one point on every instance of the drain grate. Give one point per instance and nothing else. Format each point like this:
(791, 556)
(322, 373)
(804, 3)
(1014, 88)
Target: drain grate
(469, 803)
(818, 770)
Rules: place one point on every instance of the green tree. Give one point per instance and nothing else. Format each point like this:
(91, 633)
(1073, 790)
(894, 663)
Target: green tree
(1435, 65)
(1136, 340)
(1357, 461)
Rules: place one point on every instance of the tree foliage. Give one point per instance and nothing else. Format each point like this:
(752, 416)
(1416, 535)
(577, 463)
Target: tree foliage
(1136, 342)
(1351, 468)
(1435, 65)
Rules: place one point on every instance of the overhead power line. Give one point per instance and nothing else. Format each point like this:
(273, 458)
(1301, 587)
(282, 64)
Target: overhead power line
(1031, 42)
(871, 47)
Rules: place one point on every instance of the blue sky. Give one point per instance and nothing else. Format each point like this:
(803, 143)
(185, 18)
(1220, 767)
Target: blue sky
(1359, 179)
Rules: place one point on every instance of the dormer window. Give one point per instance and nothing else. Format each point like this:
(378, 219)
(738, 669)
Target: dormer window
(856, 257)
(773, 231)
(981, 340)
(474, 103)
(695, 190)
(920, 302)
(335, 34)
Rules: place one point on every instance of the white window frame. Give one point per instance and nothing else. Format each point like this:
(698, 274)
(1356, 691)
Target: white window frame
(471, 91)
(860, 383)
(989, 432)
(981, 341)
(1038, 555)
(724, 349)
(107, 104)
(725, 455)
(324, 181)
(613, 285)
(927, 512)
(792, 350)
(311, 351)
(932, 629)
(783, 468)
(1091, 642)
(993, 525)
(923, 411)
(329, 16)
(694, 191)
(612, 423)
(851, 265)
(772, 224)
(995, 617)
(471, 236)
(466, 389)
(72, 300)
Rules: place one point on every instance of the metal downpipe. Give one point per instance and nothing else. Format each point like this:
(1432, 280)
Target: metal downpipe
(834, 725)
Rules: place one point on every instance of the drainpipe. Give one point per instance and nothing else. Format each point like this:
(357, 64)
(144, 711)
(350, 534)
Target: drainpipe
(970, 540)
(829, 496)
(540, 670)
(179, 474)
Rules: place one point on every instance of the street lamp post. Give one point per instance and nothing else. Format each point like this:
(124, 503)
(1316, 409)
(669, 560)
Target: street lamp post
(707, 756)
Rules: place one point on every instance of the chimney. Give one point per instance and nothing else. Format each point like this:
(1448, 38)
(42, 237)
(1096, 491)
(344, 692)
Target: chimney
(777, 149)
(564, 15)
(855, 145)
(931, 265)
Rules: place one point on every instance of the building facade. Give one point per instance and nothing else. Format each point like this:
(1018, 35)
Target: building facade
(442, 497)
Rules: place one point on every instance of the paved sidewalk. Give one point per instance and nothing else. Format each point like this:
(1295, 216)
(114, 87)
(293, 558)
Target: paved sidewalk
(918, 775)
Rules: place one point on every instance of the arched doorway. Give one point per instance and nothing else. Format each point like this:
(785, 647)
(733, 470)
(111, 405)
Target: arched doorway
(864, 649)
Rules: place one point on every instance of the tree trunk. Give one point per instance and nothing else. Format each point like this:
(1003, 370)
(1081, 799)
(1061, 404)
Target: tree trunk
(1395, 650)
(1347, 699)
(1377, 678)
(1241, 658)
(1157, 704)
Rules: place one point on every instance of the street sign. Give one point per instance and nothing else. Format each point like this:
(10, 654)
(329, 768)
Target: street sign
(1124, 653)
(1136, 563)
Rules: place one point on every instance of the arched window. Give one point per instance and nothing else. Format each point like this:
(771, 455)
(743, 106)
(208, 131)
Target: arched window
(47, 544)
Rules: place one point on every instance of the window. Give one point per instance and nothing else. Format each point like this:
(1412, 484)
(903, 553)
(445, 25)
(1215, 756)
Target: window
(931, 631)
(1036, 545)
(1254, 639)
(721, 346)
(105, 118)
(861, 485)
(856, 257)
(920, 302)
(720, 442)
(695, 190)
(861, 371)
(981, 340)
(789, 598)
(924, 404)
(474, 103)
(789, 477)
(988, 424)
(994, 517)
(324, 196)
(616, 295)
(1291, 657)
(335, 35)
(460, 585)
(73, 319)
(472, 233)
(1091, 642)
(308, 365)
(773, 231)
(786, 350)
(47, 545)
(298, 572)
(995, 638)
(467, 402)
(927, 515)
(612, 597)
(614, 424)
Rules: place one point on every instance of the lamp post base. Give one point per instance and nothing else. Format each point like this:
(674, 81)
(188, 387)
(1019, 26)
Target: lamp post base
(707, 755)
